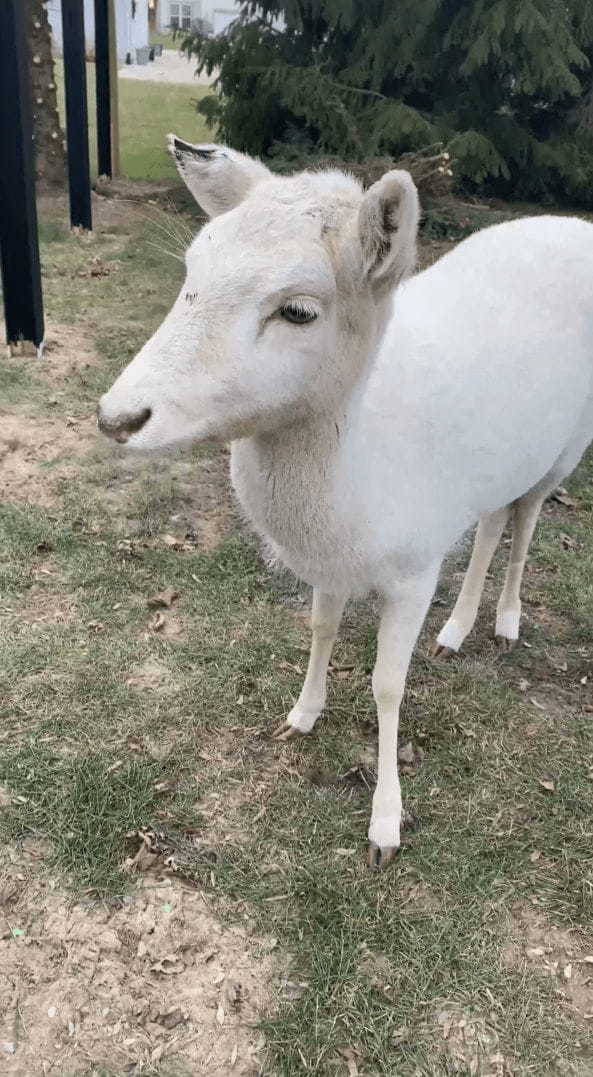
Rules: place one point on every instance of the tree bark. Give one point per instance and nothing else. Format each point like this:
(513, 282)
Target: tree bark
(50, 157)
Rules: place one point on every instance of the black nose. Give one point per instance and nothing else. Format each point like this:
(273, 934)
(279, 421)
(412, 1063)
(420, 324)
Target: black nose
(120, 428)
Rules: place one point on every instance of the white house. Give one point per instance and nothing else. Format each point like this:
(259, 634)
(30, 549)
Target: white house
(214, 15)
(131, 27)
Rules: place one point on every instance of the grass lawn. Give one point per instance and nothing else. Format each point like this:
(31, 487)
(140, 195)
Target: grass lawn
(471, 955)
(147, 111)
(167, 39)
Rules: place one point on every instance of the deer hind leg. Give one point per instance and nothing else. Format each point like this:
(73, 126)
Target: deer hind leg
(508, 612)
(325, 622)
(461, 621)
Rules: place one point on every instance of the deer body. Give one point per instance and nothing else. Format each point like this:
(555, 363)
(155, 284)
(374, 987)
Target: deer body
(442, 428)
(373, 418)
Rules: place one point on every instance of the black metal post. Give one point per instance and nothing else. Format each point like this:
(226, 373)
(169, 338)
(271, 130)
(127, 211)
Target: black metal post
(21, 277)
(79, 175)
(102, 77)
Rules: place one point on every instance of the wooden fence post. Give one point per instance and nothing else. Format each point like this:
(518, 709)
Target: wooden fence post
(79, 176)
(21, 277)
(114, 91)
(103, 79)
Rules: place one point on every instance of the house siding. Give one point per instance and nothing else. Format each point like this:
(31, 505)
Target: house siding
(131, 31)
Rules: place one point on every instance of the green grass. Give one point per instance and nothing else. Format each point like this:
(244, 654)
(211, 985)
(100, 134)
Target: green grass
(95, 754)
(167, 38)
(147, 112)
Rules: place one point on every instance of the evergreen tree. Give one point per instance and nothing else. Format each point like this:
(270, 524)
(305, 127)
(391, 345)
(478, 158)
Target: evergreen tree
(506, 84)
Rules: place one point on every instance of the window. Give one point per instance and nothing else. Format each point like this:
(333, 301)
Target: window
(186, 16)
(174, 16)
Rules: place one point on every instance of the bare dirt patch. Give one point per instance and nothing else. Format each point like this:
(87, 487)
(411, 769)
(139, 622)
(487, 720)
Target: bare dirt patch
(562, 955)
(67, 353)
(206, 508)
(157, 978)
(203, 513)
(43, 607)
(152, 675)
(226, 812)
(470, 1044)
(36, 454)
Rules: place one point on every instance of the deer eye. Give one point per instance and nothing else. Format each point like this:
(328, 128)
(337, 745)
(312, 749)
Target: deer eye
(298, 313)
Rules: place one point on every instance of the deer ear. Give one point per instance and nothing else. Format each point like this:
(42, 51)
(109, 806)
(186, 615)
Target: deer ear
(387, 228)
(217, 176)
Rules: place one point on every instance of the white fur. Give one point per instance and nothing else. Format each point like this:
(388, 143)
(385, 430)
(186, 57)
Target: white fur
(365, 443)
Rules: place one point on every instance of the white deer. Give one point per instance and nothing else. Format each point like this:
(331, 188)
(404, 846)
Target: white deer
(373, 418)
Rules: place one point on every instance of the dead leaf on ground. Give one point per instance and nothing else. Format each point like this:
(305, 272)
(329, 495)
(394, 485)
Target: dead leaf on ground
(157, 622)
(350, 1056)
(233, 992)
(406, 753)
(175, 543)
(164, 598)
(171, 1019)
(144, 860)
(165, 786)
(169, 965)
(562, 496)
(547, 784)
(44, 547)
(290, 667)
(97, 268)
(569, 543)
(134, 744)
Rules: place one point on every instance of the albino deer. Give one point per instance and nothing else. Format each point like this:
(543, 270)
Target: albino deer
(373, 418)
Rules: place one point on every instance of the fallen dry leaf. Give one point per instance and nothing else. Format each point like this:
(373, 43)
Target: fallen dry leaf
(406, 753)
(171, 1019)
(157, 622)
(165, 786)
(291, 667)
(561, 495)
(548, 784)
(144, 860)
(233, 993)
(350, 1055)
(175, 543)
(169, 965)
(164, 598)
(568, 542)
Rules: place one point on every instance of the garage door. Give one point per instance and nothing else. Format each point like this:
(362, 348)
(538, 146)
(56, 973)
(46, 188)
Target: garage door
(221, 19)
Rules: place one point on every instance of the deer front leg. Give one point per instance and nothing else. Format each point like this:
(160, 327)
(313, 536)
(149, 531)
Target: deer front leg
(402, 618)
(325, 621)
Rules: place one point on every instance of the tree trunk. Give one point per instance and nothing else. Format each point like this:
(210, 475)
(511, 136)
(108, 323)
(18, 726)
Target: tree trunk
(50, 157)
